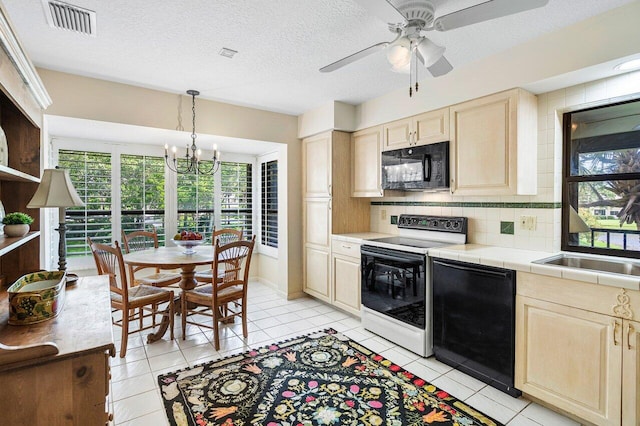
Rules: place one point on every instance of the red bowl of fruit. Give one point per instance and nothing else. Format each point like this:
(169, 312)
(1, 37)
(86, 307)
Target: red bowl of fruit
(188, 240)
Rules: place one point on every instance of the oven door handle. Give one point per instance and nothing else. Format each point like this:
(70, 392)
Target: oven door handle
(426, 168)
(474, 270)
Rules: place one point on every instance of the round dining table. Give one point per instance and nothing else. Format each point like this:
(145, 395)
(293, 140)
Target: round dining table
(172, 258)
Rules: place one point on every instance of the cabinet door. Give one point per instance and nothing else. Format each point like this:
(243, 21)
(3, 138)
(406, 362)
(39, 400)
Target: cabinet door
(317, 222)
(316, 273)
(346, 283)
(631, 374)
(431, 127)
(397, 134)
(483, 148)
(316, 162)
(570, 358)
(366, 168)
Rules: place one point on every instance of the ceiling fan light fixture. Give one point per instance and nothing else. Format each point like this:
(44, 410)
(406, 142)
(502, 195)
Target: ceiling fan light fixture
(399, 53)
(404, 69)
(430, 51)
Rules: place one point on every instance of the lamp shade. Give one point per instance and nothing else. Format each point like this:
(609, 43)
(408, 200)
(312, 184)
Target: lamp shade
(55, 190)
(576, 224)
(430, 51)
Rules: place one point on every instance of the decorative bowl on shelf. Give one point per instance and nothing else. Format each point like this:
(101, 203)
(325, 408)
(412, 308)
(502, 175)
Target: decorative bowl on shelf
(188, 245)
(36, 297)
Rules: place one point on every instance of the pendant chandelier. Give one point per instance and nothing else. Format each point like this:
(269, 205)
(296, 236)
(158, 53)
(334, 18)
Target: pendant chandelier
(192, 163)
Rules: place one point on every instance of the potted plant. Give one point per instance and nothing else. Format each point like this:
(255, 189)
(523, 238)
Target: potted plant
(16, 224)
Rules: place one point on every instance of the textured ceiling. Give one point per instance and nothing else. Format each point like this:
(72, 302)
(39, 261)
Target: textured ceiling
(173, 45)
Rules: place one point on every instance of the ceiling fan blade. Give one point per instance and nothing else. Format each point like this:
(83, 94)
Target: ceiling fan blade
(356, 56)
(383, 9)
(441, 67)
(485, 11)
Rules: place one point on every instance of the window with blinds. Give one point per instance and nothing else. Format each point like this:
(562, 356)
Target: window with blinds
(236, 197)
(269, 204)
(90, 174)
(195, 203)
(142, 194)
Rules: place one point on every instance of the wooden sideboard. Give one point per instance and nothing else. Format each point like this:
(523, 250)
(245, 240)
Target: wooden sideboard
(71, 386)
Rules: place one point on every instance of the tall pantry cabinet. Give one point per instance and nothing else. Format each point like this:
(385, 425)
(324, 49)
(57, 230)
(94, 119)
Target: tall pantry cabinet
(328, 207)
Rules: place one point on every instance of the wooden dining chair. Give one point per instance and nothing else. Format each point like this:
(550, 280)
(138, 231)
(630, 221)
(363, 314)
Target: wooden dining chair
(141, 240)
(226, 299)
(223, 236)
(136, 303)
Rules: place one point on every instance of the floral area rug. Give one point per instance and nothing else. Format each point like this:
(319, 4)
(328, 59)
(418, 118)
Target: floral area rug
(319, 379)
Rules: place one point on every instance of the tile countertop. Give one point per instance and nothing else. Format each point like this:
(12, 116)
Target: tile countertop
(521, 260)
(359, 237)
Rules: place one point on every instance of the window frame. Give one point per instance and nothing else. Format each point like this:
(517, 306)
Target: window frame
(568, 180)
(116, 149)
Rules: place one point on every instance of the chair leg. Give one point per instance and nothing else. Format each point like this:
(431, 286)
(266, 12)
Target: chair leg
(183, 314)
(171, 312)
(216, 331)
(125, 334)
(245, 332)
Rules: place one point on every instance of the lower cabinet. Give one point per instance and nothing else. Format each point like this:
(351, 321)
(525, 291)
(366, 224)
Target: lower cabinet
(316, 273)
(577, 348)
(345, 276)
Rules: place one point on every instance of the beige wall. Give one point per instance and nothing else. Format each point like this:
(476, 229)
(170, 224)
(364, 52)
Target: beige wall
(92, 99)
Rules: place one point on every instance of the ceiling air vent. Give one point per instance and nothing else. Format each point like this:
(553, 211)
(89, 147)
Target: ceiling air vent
(69, 17)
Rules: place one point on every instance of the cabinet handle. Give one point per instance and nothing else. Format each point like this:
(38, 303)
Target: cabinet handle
(330, 202)
(330, 189)
(615, 332)
(346, 247)
(630, 331)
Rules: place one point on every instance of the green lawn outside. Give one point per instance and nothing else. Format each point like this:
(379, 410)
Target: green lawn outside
(615, 224)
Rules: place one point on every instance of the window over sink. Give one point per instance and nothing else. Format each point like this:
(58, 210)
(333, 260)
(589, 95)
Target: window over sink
(601, 183)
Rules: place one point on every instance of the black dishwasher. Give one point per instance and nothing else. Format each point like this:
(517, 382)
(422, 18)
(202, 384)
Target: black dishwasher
(474, 321)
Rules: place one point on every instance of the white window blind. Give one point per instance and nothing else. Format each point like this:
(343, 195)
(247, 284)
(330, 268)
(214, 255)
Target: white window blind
(142, 194)
(236, 197)
(269, 204)
(195, 203)
(90, 174)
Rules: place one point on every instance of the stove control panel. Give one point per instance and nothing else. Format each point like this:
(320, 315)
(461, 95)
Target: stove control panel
(456, 225)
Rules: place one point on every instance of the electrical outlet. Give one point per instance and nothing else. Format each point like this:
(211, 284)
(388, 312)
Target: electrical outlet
(528, 223)
(383, 214)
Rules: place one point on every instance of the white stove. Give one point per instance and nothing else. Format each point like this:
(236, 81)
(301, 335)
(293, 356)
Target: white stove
(396, 279)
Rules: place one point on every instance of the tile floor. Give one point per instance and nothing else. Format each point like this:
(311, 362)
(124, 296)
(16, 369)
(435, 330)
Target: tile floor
(136, 400)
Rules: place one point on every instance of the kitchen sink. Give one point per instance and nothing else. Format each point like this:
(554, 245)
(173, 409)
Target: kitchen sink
(593, 264)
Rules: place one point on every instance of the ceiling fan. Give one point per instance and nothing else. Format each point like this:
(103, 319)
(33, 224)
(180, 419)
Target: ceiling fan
(410, 18)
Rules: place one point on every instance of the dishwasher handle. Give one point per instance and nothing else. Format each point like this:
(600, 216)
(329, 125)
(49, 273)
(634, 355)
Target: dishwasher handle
(504, 274)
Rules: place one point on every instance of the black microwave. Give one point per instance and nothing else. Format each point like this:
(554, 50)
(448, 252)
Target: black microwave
(420, 168)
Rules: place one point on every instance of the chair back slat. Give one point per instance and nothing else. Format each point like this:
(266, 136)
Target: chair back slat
(233, 261)
(139, 240)
(226, 236)
(109, 261)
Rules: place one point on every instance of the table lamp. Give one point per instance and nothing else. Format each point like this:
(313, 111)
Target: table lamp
(56, 190)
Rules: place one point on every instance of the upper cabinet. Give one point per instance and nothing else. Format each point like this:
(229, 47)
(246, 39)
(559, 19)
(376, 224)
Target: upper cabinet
(422, 129)
(494, 145)
(22, 101)
(365, 156)
(316, 153)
